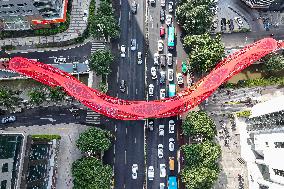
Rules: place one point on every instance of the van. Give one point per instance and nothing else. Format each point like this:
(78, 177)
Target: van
(172, 163)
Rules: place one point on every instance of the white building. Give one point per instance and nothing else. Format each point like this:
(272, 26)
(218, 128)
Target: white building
(262, 144)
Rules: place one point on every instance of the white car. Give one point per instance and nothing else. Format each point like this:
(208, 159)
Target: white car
(151, 90)
(161, 130)
(169, 20)
(162, 93)
(163, 170)
(139, 57)
(170, 74)
(160, 45)
(162, 185)
(85, 17)
(8, 119)
(133, 44)
(171, 4)
(151, 173)
(154, 73)
(160, 151)
(134, 171)
(239, 21)
(171, 144)
(122, 51)
(171, 126)
(170, 59)
(179, 79)
(156, 58)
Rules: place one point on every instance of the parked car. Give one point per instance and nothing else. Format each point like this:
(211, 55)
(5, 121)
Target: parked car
(139, 58)
(134, 7)
(169, 20)
(171, 6)
(151, 124)
(163, 77)
(179, 79)
(239, 21)
(160, 151)
(133, 44)
(223, 24)
(161, 130)
(160, 45)
(162, 31)
(163, 59)
(162, 185)
(85, 17)
(134, 171)
(183, 67)
(170, 74)
(8, 119)
(170, 59)
(163, 171)
(154, 73)
(171, 126)
(171, 144)
(151, 173)
(162, 15)
(122, 51)
(122, 86)
(231, 24)
(162, 93)
(151, 90)
(156, 58)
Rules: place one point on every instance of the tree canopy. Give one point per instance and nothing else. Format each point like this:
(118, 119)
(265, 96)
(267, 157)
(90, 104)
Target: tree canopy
(274, 62)
(37, 96)
(100, 62)
(204, 51)
(195, 16)
(9, 98)
(199, 177)
(56, 93)
(204, 154)
(90, 173)
(199, 123)
(94, 140)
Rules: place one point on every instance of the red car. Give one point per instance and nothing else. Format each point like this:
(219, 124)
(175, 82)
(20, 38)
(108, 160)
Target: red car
(162, 31)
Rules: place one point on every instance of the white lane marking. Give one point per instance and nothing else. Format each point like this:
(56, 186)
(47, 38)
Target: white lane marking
(115, 128)
(125, 157)
(127, 90)
(114, 149)
(118, 46)
(62, 114)
(120, 2)
(135, 140)
(129, 16)
(136, 91)
(128, 51)
(126, 130)
(25, 52)
(119, 16)
(137, 46)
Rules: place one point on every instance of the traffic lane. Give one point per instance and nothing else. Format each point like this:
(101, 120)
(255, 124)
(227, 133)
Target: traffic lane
(79, 54)
(47, 115)
(135, 153)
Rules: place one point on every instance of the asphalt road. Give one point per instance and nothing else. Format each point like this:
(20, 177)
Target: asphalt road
(128, 147)
(46, 115)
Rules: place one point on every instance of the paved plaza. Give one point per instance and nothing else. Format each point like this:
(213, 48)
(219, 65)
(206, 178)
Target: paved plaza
(68, 151)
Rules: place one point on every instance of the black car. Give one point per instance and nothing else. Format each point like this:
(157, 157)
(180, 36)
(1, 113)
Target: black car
(151, 124)
(134, 7)
(122, 86)
(163, 59)
(223, 24)
(162, 15)
(231, 24)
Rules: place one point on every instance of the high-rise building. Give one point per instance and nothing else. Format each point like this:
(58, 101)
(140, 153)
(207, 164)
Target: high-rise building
(26, 14)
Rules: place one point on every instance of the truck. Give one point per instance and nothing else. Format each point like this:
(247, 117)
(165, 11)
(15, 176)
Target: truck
(163, 3)
(172, 182)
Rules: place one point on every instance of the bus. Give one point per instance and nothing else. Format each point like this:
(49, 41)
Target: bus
(171, 38)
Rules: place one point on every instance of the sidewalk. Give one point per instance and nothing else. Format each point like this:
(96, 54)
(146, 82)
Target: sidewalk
(76, 28)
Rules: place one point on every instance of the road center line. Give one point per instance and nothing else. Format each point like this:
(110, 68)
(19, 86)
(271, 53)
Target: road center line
(125, 157)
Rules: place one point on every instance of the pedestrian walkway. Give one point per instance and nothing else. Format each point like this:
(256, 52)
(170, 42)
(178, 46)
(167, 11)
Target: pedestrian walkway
(97, 45)
(93, 117)
(76, 28)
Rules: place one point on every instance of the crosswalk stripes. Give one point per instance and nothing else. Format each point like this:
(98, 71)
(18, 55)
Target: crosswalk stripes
(93, 117)
(241, 160)
(97, 45)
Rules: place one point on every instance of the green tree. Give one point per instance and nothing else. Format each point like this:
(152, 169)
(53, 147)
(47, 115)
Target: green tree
(204, 51)
(37, 96)
(103, 87)
(195, 16)
(9, 99)
(204, 154)
(199, 177)
(100, 62)
(274, 62)
(56, 94)
(199, 123)
(94, 140)
(90, 173)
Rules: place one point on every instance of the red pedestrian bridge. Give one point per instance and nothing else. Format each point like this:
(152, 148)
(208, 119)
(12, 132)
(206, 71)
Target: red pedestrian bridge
(134, 110)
